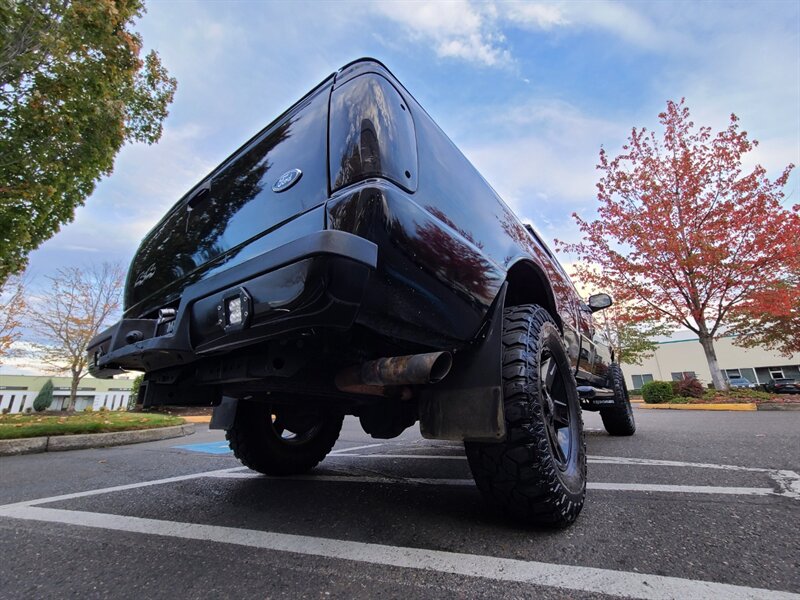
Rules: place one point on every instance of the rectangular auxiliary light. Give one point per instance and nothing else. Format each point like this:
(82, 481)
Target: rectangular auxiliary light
(234, 311)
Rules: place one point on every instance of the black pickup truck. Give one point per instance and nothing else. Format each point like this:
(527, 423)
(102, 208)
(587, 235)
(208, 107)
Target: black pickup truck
(349, 260)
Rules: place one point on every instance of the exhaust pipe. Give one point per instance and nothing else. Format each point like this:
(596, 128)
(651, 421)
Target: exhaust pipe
(416, 369)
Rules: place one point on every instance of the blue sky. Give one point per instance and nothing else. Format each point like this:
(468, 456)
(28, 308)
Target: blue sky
(529, 92)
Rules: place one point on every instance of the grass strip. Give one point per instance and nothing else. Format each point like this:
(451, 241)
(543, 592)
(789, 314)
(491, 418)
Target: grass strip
(35, 425)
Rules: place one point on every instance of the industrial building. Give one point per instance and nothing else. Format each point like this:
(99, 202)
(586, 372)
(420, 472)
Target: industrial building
(682, 355)
(17, 393)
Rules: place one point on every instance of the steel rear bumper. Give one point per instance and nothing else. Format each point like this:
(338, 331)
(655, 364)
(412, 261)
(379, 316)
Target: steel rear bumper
(314, 281)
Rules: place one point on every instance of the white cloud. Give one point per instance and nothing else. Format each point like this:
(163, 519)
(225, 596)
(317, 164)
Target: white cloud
(542, 153)
(623, 21)
(25, 361)
(542, 16)
(457, 29)
(473, 31)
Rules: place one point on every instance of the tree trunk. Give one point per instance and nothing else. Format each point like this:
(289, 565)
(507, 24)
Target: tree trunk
(73, 391)
(707, 341)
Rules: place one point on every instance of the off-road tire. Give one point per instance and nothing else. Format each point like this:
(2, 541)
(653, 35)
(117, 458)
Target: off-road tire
(618, 418)
(525, 476)
(259, 446)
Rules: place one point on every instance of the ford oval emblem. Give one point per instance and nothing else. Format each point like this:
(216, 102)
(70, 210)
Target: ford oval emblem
(287, 180)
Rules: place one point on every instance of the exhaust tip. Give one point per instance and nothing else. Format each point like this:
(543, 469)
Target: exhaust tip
(441, 367)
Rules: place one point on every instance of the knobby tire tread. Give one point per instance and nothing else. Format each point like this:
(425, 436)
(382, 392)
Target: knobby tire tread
(618, 419)
(258, 447)
(519, 475)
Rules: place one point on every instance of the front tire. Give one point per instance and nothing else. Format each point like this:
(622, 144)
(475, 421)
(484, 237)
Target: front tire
(618, 419)
(273, 441)
(537, 476)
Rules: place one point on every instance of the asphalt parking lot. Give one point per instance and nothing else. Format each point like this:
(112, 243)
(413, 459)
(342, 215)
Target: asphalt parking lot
(696, 505)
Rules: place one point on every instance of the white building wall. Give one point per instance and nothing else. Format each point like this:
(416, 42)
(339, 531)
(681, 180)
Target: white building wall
(676, 356)
(20, 400)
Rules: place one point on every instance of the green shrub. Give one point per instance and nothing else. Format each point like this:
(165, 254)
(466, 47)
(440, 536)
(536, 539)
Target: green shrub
(102, 409)
(45, 397)
(656, 392)
(88, 409)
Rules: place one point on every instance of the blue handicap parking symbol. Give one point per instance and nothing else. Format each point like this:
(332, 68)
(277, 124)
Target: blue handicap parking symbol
(209, 448)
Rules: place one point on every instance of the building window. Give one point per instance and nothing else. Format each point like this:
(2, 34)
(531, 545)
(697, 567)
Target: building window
(733, 373)
(11, 403)
(684, 375)
(774, 373)
(640, 380)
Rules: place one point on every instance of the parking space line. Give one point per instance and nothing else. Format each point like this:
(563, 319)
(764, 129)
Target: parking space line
(566, 577)
(607, 460)
(787, 481)
(118, 488)
(340, 450)
(682, 489)
(650, 462)
(592, 485)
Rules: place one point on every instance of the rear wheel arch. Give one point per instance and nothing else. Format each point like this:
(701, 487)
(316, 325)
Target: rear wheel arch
(528, 284)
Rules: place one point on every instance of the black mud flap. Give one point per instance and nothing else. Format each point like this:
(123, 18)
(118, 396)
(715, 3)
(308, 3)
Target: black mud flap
(224, 414)
(468, 404)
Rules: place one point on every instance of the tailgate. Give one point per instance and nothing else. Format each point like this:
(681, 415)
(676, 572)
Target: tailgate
(239, 202)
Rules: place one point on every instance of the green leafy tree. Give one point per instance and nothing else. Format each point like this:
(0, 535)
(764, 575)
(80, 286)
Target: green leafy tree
(73, 89)
(44, 398)
(630, 334)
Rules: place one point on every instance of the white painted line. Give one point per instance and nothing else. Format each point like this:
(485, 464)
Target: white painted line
(623, 460)
(681, 489)
(608, 460)
(592, 485)
(120, 488)
(340, 450)
(565, 577)
(787, 481)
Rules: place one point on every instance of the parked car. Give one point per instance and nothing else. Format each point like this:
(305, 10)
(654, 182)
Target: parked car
(740, 382)
(349, 260)
(783, 385)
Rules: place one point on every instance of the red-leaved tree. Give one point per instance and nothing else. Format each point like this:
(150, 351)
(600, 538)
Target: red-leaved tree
(683, 232)
(771, 317)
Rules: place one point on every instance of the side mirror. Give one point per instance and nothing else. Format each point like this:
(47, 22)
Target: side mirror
(599, 302)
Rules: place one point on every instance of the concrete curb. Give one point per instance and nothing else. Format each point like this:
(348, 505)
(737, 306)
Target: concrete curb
(746, 406)
(57, 443)
(779, 406)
